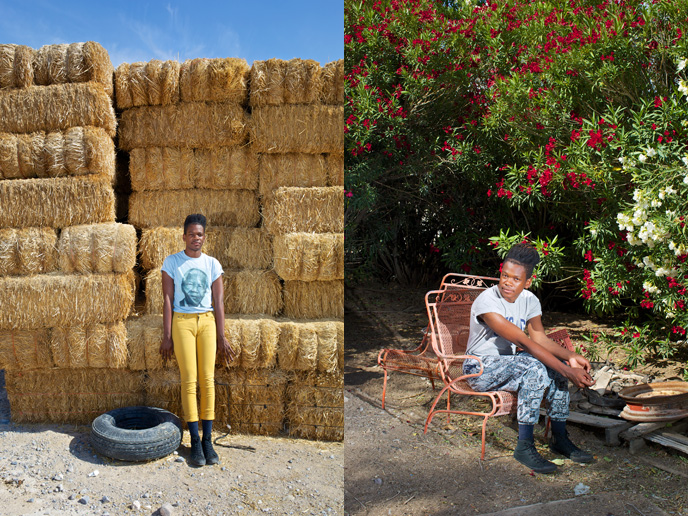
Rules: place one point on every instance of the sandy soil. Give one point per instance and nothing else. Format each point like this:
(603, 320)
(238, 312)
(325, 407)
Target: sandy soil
(391, 467)
(51, 470)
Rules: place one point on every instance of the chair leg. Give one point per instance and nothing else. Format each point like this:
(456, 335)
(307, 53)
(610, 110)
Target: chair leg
(482, 451)
(432, 409)
(448, 406)
(432, 382)
(384, 389)
(548, 425)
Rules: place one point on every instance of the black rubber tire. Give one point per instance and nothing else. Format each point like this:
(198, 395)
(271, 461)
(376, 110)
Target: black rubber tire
(136, 433)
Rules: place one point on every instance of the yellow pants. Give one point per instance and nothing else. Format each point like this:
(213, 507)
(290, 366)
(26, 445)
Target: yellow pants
(195, 342)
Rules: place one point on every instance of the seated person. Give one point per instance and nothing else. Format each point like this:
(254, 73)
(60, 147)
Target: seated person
(530, 364)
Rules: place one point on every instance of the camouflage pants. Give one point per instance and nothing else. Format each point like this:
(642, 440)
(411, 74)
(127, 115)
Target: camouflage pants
(529, 378)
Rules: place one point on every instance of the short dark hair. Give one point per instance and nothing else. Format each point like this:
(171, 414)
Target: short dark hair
(525, 255)
(195, 218)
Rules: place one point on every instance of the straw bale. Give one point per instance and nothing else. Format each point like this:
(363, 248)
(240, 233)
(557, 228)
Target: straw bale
(281, 170)
(51, 300)
(76, 151)
(27, 251)
(309, 256)
(72, 63)
(311, 346)
(275, 82)
(173, 168)
(55, 108)
(57, 202)
(214, 80)
(144, 336)
(163, 389)
(16, 70)
(170, 208)
(312, 129)
(189, 124)
(91, 345)
(152, 83)
(235, 248)
(305, 210)
(71, 395)
(253, 291)
(315, 406)
(25, 349)
(254, 339)
(334, 164)
(332, 83)
(101, 248)
(314, 299)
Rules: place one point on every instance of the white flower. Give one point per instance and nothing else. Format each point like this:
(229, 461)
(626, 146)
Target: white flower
(685, 180)
(670, 190)
(652, 289)
(622, 160)
(685, 160)
(683, 87)
(642, 158)
(651, 153)
(661, 194)
(649, 263)
(681, 64)
(656, 203)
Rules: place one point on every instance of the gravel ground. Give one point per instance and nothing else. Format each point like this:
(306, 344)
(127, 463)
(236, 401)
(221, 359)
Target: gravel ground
(52, 470)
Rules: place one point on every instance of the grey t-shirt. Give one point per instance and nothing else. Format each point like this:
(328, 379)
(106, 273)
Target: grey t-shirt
(481, 339)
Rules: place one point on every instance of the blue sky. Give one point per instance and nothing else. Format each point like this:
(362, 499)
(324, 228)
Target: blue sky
(143, 30)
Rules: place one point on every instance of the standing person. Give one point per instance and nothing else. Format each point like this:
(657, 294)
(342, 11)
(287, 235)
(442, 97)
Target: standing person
(194, 326)
(528, 364)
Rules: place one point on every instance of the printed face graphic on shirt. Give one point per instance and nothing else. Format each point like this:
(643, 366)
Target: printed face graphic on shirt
(194, 286)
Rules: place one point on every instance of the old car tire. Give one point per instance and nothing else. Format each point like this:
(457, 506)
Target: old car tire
(136, 433)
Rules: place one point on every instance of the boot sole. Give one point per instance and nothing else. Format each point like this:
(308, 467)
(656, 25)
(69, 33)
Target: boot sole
(577, 460)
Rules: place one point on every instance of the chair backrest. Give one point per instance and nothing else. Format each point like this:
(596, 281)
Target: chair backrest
(449, 313)
(463, 281)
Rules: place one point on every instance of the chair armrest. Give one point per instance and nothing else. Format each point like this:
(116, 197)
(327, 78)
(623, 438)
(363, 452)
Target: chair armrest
(450, 358)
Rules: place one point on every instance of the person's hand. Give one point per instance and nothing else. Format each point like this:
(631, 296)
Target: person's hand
(166, 349)
(579, 377)
(224, 349)
(580, 362)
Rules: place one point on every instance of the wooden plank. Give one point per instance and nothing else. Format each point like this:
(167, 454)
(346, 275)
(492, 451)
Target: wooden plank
(668, 441)
(612, 427)
(641, 429)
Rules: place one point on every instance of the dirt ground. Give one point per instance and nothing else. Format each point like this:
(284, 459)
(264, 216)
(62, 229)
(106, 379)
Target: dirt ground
(52, 470)
(392, 467)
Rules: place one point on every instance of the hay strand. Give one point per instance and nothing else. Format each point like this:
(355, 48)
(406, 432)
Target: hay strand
(283, 170)
(56, 202)
(56, 108)
(27, 251)
(171, 168)
(47, 301)
(214, 80)
(309, 256)
(305, 210)
(25, 349)
(312, 129)
(234, 248)
(192, 124)
(332, 83)
(314, 299)
(92, 346)
(98, 248)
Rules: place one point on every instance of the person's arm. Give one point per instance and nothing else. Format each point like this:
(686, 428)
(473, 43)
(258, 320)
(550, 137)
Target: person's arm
(536, 332)
(513, 333)
(167, 303)
(224, 349)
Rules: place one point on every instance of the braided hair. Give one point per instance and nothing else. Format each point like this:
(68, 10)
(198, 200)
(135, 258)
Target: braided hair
(525, 255)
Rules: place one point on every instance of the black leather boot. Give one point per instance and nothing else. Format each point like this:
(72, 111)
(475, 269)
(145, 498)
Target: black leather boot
(208, 451)
(196, 457)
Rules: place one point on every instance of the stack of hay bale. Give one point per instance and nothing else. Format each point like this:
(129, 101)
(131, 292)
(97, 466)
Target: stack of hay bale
(66, 280)
(186, 127)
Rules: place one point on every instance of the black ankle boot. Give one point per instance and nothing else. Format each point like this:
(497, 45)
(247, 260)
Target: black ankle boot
(562, 444)
(208, 451)
(526, 454)
(196, 457)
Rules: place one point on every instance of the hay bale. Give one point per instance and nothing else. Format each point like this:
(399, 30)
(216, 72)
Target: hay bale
(315, 406)
(76, 151)
(56, 108)
(57, 202)
(74, 396)
(257, 337)
(282, 170)
(214, 80)
(275, 82)
(73, 63)
(305, 210)
(309, 256)
(191, 124)
(332, 83)
(170, 208)
(16, 70)
(334, 164)
(314, 299)
(152, 83)
(22, 350)
(47, 301)
(234, 248)
(172, 168)
(311, 346)
(163, 389)
(27, 251)
(312, 129)
(91, 345)
(98, 248)
(144, 336)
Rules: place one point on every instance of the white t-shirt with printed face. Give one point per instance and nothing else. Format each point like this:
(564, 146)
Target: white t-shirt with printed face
(482, 340)
(192, 280)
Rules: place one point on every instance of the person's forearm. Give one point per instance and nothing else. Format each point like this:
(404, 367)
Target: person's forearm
(558, 351)
(219, 316)
(167, 318)
(543, 354)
